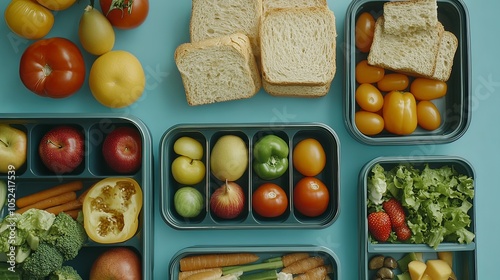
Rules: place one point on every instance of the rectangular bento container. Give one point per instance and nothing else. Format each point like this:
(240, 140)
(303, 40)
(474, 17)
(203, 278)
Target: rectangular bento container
(454, 107)
(33, 176)
(264, 253)
(208, 134)
(465, 259)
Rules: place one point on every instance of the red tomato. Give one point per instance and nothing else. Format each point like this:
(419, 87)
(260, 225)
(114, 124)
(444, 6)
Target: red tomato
(269, 200)
(369, 98)
(365, 28)
(309, 157)
(125, 14)
(52, 67)
(368, 74)
(369, 123)
(393, 81)
(311, 197)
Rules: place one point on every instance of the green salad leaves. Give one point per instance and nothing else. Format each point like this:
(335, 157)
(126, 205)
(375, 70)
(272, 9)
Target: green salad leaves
(437, 201)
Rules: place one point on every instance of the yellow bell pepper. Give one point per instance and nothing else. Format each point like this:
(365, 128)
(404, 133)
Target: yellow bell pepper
(400, 112)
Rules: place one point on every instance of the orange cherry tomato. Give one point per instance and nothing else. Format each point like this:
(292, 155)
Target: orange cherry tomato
(369, 98)
(428, 115)
(400, 112)
(393, 81)
(369, 123)
(309, 157)
(428, 89)
(365, 28)
(366, 73)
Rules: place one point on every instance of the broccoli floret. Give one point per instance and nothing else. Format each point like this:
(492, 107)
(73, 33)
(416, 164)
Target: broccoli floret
(66, 235)
(42, 262)
(65, 273)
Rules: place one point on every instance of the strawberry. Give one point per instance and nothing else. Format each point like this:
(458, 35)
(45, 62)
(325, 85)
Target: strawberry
(379, 225)
(403, 232)
(396, 212)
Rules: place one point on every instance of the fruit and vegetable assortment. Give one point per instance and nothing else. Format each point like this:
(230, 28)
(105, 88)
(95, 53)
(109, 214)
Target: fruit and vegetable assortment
(419, 205)
(389, 101)
(55, 67)
(250, 266)
(413, 266)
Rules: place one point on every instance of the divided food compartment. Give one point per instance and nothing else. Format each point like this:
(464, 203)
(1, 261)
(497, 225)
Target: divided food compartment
(454, 107)
(264, 253)
(464, 255)
(208, 134)
(34, 176)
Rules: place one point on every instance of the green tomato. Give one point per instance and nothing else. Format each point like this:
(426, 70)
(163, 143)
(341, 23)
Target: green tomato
(188, 202)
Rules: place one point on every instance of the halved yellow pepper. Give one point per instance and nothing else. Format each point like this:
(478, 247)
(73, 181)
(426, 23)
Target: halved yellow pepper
(400, 112)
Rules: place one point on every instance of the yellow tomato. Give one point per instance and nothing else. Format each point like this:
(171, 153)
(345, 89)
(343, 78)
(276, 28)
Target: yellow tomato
(28, 19)
(393, 81)
(95, 32)
(428, 89)
(365, 28)
(400, 112)
(56, 5)
(117, 79)
(369, 123)
(366, 73)
(369, 98)
(428, 115)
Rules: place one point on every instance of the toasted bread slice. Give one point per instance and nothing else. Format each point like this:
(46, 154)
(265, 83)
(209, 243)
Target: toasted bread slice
(409, 16)
(413, 53)
(218, 69)
(446, 54)
(298, 46)
(214, 18)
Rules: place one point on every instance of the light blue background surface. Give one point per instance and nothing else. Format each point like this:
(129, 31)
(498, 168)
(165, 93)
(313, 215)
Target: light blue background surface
(163, 105)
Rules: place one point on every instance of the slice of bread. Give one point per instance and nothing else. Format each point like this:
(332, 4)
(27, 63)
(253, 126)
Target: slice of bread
(296, 91)
(413, 53)
(446, 54)
(298, 46)
(409, 16)
(218, 69)
(273, 4)
(214, 18)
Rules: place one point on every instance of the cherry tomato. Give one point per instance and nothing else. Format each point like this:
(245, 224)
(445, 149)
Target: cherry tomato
(368, 74)
(428, 89)
(428, 115)
(28, 19)
(369, 123)
(365, 28)
(393, 81)
(56, 5)
(311, 197)
(309, 157)
(269, 200)
(125, 14)
(369, 98)
(52, 67)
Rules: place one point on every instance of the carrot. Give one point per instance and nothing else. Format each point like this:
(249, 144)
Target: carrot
(184, 274)
(49, 202)
(73, 213)
(82, 196)
(290, 258)
(303, 265)
(47, 193)
(216, 260)
(205, 275)
(70, 205)
(317, 273)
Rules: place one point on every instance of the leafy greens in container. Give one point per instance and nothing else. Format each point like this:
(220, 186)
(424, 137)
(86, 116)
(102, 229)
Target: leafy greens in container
(437, 201)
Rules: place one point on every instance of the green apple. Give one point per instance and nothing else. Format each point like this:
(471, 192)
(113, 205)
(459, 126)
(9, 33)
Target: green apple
(190, 147)
(13, 148)
(188, 171)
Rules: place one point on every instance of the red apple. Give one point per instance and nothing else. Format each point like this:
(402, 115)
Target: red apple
(122, 150)
(228, 201)
(119, 263)
(62, 149)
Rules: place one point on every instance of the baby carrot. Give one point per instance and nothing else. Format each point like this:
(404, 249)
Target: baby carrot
(317, 273)
(73, 213)
(49, 202)
(303, 265)
(205, 275)
(71, 205)
(290, 258)
(47, 193)
(216, 260)
(184, 274)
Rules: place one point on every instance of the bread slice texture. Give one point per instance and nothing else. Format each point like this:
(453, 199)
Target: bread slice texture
(296, 91)
(274, 4)
(446, 54)
(298, 46)
(413, 53)
(214, 18)
(409, 16)
(218, 69)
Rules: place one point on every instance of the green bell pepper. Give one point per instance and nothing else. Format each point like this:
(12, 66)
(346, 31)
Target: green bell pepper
(270, 157)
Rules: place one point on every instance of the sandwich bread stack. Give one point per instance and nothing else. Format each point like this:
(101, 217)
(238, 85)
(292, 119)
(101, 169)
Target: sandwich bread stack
(409, 38)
